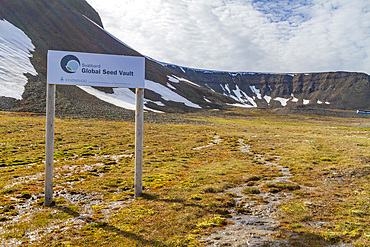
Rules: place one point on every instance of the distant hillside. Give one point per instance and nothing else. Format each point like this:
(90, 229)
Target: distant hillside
(30, 28)
(335, 90)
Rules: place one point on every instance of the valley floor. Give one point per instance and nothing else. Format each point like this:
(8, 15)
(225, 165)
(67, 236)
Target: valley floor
(232, 178)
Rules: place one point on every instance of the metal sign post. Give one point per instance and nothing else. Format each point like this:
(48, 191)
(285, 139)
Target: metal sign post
(75, 68)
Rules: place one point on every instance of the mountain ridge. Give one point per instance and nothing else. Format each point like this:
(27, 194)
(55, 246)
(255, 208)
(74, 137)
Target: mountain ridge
(76, 26)
(319, 88)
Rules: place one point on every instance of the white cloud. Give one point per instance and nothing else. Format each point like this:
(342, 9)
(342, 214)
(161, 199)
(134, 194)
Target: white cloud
(245, 35)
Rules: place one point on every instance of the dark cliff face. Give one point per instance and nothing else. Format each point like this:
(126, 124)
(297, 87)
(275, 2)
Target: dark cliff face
(330, 90)
(344, 90)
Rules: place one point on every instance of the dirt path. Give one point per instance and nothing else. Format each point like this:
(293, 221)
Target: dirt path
(254, 220)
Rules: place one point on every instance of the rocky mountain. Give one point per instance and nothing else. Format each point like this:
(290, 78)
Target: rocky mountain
(335, 90)
(28, 29)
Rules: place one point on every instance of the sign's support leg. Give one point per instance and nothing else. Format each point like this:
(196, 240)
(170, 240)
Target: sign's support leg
(49, 144)
(139, 124)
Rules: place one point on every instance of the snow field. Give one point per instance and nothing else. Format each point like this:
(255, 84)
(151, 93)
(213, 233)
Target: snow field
(125, 98)
(15, 47)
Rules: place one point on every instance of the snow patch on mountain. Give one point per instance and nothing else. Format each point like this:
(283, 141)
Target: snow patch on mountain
(182, 69)
(176, 79)
(250, 100)
(125, 98)
(282, 101)
(15, 47)
(294, 99)
(256, 91)
(210, 88)
(223, 90)
(267, 98)
(227, 88)
(168, 94)
(241, 105)
(173, 79)
(158, 103)
(239, 93)
(170, 86)
(122, 97)
(206, 100)
(185, 80)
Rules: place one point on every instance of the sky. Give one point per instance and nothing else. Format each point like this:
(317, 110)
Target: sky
(282, 36)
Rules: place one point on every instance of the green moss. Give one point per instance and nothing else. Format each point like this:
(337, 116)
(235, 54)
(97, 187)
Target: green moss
(213, 222)
(281, 186)
(325, 159)
(251, 191)
(195, 197)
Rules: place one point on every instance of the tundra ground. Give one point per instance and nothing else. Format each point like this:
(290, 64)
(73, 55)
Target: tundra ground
(201, 175)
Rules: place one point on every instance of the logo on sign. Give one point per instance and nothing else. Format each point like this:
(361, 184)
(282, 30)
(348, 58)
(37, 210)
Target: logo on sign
(70, 64)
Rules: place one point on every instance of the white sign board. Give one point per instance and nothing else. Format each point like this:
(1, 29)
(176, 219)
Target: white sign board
(76, 68)
(101, 70)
